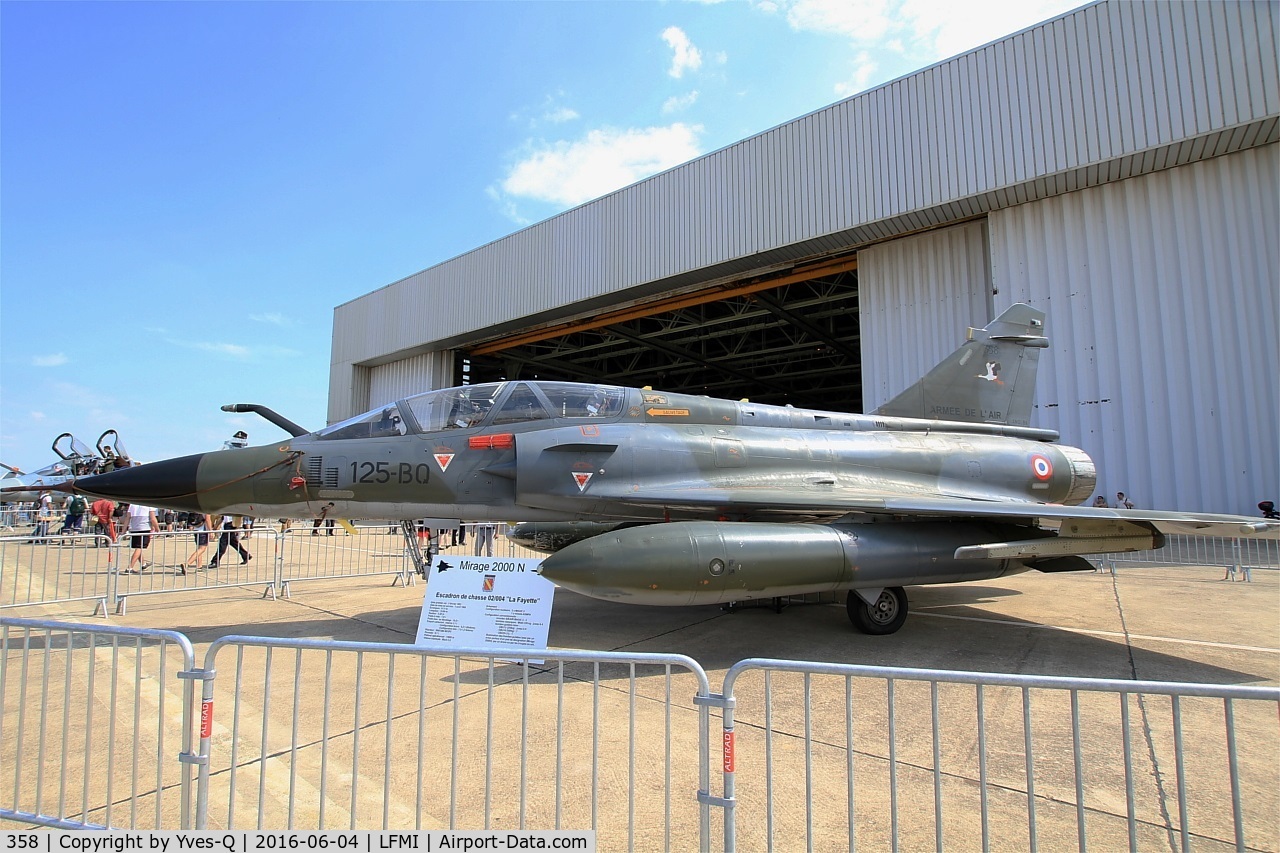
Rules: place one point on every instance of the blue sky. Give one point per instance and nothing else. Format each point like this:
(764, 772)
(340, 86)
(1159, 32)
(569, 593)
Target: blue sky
(187, 190)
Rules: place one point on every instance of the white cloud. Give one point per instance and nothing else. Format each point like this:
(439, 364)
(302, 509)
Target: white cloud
(951, 28)
(238, 352)
(233, 350)
(551, 111)
(862, 20)
(687, 57)
(863, 73)
(924, 30)
(677, 103)
(559, 115)
(273, 318)
(570, 173)
(81, 396)
(507, 207)
(55, 360)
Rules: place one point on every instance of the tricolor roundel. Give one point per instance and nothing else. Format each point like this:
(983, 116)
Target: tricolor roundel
(1041, 467)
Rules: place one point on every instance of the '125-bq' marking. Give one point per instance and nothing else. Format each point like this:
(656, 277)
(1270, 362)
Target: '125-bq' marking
(386, 472)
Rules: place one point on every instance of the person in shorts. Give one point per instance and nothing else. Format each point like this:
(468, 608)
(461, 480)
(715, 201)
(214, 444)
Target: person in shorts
(142, 523)
(200, 525)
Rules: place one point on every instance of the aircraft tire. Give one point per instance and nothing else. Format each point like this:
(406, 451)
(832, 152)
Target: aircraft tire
(888, 615)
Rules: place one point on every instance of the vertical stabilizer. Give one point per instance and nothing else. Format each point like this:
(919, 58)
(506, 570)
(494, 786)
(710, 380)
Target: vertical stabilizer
(990, 379)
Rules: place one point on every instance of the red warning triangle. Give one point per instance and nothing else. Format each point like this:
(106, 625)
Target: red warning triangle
(581, 480)
(443, 460)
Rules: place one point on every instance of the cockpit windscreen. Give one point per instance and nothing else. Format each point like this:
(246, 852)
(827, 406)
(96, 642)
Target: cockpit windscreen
(496, 403)
(382, 422)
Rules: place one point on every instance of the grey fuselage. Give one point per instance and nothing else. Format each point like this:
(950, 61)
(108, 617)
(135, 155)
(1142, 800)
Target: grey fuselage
(531, 451)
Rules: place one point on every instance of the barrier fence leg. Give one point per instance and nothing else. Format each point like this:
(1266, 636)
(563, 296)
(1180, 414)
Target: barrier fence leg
(705, 799)
(201, 758)
(111, 598)
(277, 566)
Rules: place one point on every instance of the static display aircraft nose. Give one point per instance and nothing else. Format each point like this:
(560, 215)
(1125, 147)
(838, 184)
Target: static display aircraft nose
(170, 483)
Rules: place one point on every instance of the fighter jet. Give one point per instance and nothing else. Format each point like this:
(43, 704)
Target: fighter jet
(112, 451)
(676, 499)
(74, 460)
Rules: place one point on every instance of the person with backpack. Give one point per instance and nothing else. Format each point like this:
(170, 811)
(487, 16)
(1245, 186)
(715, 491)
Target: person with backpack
(76, 508)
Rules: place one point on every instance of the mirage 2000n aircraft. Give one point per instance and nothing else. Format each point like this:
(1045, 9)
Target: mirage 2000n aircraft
(673, 499)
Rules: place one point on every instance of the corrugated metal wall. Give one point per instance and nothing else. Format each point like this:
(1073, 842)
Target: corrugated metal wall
(916, 298)
(1162, 294)
(1101, 93)
(399, 379)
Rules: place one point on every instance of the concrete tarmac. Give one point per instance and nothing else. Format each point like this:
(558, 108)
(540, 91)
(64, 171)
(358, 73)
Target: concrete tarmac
(1161, 623)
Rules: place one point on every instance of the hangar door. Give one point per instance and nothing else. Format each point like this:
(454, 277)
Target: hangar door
(919, 295)
(794, 336)
(790, 337)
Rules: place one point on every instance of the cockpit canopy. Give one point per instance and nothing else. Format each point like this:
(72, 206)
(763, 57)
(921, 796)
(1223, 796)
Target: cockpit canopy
(491, 404)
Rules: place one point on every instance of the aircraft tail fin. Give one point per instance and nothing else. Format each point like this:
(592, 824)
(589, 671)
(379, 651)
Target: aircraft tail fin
(990, 379)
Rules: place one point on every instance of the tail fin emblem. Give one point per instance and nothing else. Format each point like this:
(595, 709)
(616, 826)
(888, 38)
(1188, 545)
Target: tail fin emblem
(1003, 355)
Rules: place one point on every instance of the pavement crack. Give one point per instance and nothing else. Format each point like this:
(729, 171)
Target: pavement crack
(1162, 795)
(676, 630)
(351, 618)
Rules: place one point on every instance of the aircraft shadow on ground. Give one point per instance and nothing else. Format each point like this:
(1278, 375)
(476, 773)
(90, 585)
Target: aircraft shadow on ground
(973, 639)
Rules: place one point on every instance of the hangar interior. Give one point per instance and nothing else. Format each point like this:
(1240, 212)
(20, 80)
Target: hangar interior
(780, 339)
(1120, 174)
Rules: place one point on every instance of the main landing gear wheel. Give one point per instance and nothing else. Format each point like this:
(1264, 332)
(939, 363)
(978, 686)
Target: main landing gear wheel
(887, 615)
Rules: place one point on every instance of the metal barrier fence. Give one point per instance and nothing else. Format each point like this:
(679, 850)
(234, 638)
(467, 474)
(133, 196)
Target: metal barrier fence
(87, 567)
(1237, 554)
(1013, 760)
(62, 568)
(326, 734)
(96, 726)
(337, 735)
(351, 735)
(84, 567)
(13, 517)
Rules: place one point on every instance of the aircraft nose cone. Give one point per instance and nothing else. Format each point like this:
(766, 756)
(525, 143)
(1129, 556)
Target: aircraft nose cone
(169, 483)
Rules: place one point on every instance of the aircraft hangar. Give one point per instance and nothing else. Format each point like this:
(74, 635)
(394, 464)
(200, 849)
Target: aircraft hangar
(1118, 167)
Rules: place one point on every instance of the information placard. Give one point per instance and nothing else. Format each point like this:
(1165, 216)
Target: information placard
(486, 601)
